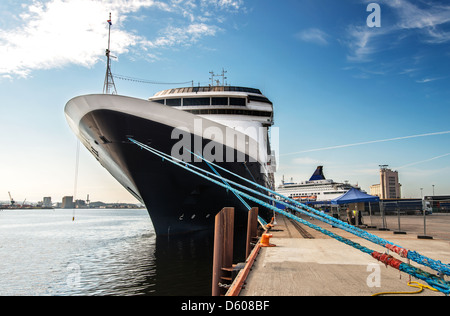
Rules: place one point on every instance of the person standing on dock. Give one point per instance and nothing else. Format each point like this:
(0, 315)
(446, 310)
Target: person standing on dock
(350, 216)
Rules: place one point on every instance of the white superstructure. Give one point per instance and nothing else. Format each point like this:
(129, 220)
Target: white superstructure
(236, 107)
(242, 109)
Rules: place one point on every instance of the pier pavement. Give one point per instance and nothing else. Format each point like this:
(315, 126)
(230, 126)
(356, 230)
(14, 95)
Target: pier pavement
(308, 263)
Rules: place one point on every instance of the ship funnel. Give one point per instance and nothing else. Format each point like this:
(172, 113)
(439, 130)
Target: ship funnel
(318, 174)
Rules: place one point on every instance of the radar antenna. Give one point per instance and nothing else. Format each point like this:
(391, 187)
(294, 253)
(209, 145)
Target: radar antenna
(218, 81)
(223, 76)
(212, 78)
(109, 87)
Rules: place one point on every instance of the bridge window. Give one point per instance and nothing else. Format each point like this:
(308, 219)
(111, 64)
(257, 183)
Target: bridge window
(196, 101)
(219, 101)
(173, 102)
(237, 101)
(258, 99)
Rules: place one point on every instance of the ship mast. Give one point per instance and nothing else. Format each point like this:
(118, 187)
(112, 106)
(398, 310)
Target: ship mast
(109, 87)
(218, 81)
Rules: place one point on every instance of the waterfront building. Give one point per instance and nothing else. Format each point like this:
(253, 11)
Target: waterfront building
(80, 204)
(389, 186)
(47, 201)
(67, 202)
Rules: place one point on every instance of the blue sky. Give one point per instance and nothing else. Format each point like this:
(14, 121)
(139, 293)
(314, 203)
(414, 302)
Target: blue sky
(333, 79)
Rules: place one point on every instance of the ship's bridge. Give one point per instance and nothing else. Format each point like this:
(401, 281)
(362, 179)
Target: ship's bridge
(223, 101)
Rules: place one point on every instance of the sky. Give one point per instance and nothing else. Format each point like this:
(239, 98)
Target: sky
(354, 85)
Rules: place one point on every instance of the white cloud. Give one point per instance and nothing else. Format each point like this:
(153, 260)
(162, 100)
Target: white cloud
(305, 161)
(313, 35)
(177, 35)
(360, 44)
(56, 33)
(427, 80)
(413, 17)
(224, 4)
(364, 42)
(427, 20)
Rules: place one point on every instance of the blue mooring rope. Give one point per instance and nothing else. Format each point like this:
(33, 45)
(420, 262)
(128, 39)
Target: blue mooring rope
(431, 279)
(434, 264)
(260, 219)
(412, 255)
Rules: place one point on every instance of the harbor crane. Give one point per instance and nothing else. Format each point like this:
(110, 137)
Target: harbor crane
(11, 199)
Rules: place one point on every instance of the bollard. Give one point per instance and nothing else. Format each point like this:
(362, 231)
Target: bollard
(265, 240)
(252, 230)
(223, 248)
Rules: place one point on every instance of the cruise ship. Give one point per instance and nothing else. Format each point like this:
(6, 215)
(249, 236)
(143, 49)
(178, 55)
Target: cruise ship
(229, 125)
(316, 189)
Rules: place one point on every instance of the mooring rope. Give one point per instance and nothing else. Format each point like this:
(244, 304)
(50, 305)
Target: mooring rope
(261, 221)
(403, 252)
(228, 185)
(75, 185)
(431, 279)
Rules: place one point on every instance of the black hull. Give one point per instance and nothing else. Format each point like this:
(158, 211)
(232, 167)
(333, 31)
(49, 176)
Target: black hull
(177, 200)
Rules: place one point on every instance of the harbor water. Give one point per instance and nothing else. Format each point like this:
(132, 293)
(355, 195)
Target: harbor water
(101, 252)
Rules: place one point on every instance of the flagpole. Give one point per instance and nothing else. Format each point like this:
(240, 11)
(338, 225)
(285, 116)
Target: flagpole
(109, 33)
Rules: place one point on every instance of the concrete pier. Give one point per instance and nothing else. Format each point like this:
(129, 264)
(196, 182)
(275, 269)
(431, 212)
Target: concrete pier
(308, 263)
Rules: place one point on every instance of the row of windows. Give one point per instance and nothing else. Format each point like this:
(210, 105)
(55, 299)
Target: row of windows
(203, 101)
(209, 89)
(206, 101)
(231, 112)
(304, 194)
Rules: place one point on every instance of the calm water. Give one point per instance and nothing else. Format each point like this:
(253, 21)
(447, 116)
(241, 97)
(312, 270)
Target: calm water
(102, 252)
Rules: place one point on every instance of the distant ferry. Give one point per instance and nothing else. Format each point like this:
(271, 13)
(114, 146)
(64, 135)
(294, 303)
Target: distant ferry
(318, 188)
